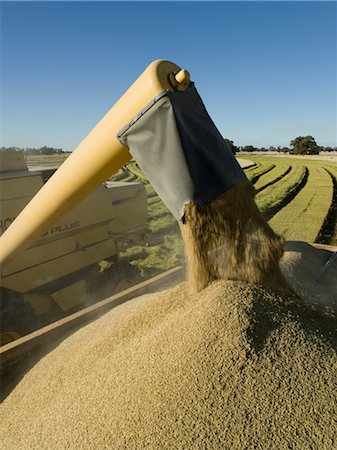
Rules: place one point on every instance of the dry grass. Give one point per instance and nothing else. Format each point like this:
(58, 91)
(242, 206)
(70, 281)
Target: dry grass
(232, 367)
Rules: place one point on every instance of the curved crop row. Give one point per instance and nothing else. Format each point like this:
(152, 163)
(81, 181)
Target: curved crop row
(252, 167)
(274, 197)
(256, 172)
(328, 232)
(130, 177)
(124, 174)
(121, 175)
(303, 217)
(133, 167)
(271, 177)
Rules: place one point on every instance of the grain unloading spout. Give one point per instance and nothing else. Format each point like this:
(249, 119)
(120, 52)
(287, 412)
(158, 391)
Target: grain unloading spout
(178, 147)
(162, 122)
(98, 156)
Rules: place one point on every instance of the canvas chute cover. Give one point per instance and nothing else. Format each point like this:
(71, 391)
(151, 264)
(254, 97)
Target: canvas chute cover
(180, 150)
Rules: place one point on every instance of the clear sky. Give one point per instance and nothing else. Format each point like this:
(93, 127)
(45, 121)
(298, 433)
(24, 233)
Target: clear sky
(265, 70)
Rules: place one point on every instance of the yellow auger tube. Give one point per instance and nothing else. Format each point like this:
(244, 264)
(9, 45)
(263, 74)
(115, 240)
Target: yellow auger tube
(97, 157)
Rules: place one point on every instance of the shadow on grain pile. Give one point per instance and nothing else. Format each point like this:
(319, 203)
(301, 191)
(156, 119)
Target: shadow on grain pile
(234, 366)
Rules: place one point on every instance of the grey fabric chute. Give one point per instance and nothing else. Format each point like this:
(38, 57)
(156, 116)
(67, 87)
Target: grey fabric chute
(181, 152)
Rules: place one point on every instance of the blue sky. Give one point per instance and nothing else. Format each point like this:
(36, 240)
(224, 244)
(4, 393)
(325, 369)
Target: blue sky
(265, 70)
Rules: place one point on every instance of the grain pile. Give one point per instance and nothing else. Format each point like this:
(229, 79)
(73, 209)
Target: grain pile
(230, 239)
(235, 366)
(312, 274)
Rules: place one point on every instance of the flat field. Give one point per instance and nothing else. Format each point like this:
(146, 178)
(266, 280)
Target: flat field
(298, 196)
(46, 161)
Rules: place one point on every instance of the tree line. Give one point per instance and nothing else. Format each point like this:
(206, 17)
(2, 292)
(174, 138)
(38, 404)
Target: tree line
(302, 145)
(36, 151)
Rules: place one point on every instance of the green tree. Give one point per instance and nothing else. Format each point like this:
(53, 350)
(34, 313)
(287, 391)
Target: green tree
(249, 148)
(304, 145)
(231, 145)
(328, 149)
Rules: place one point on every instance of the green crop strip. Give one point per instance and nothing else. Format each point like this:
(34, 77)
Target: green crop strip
(302, 218)
(272, 177)
(328, 232)
(255, 173)
(274, 197)
(253, 167)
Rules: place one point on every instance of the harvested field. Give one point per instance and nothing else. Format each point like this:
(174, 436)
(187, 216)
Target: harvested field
(232, 367)
(46, 161)
(277, 180)
(310, 206)
(328, 232)
(275, 197)
(276, 188)
(272, 177)
(253, 174)
(316, 219)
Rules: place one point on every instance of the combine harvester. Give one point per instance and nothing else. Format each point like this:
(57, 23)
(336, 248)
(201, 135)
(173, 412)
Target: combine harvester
(60, 273)
(162, 123)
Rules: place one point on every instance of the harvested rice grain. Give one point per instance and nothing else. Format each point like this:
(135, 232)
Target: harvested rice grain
(235, 366)
(230, 239)
(312, 274)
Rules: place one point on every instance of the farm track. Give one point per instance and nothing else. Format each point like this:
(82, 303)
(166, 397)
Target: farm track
(270, 212)
(275, 180)
(328, 232)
